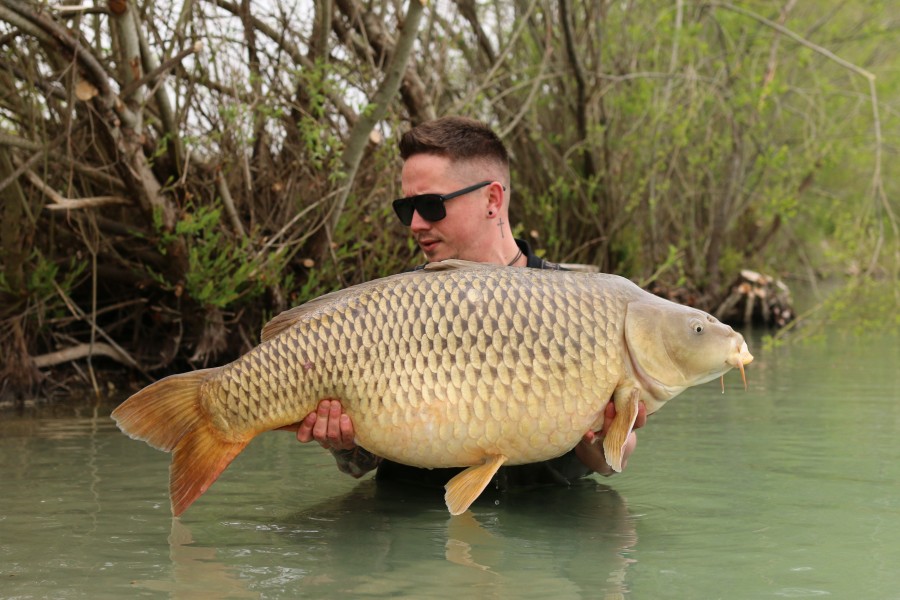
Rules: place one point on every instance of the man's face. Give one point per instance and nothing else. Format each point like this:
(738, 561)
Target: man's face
(462, 233)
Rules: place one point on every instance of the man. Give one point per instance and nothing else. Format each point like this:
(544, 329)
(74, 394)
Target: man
(456, 183)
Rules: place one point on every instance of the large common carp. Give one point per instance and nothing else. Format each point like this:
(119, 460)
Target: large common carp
(459, 364)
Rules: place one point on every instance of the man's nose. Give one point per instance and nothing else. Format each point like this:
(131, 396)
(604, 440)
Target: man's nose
(418, 223)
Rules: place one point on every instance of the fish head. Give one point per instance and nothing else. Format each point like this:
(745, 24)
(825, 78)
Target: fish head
(673, 347)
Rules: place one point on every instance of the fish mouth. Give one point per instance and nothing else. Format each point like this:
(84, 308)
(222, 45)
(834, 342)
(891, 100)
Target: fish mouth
(739, 359)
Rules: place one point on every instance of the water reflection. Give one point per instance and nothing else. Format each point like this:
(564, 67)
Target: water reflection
(380, 539)
(196, 571)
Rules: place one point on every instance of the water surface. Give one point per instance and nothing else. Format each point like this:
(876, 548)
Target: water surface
(787, 490)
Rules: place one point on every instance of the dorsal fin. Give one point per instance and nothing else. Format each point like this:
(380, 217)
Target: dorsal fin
(452, 264)
(292, 316)
(287, 318)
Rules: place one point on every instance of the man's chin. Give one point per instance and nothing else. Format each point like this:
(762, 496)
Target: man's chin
(435, 253)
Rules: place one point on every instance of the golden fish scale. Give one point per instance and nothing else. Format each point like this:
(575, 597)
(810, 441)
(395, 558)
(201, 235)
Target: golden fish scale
(441, 369)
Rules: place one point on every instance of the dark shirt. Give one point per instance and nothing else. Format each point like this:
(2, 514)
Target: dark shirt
(562, 470)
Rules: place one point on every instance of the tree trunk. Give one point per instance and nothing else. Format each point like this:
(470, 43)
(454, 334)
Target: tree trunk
(15, 228)
(377, 107)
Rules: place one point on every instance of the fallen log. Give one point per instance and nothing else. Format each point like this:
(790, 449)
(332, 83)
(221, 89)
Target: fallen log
(81, 351)
(756, 299)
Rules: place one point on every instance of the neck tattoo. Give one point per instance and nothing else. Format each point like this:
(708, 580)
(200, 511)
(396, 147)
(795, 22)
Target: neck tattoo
(515, 258)
(500, 224)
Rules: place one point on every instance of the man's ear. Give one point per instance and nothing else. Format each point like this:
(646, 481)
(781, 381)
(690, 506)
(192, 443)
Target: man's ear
(496, 198)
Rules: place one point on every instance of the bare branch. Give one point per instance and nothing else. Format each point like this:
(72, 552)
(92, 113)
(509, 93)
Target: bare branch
(469, 11)
(34, 158)
(79, 8)
(359, 136)
(130, 65)
(228, 201)
(578, 71)
(877, 189)
(60, 36)
(81, 351)
(290, 49)
(160, 70)
(62, 203)
(76, 311)
(794, 36)
(18, 142)
(412, 89)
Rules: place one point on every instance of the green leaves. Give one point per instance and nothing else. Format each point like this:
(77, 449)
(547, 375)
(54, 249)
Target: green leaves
(45, 279)
(221, 269)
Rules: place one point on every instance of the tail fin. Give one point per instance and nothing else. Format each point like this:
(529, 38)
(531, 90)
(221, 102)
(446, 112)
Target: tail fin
(167, 415)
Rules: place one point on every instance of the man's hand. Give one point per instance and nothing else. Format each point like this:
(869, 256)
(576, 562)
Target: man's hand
(329, 426)
(332, 428)
(590, 449)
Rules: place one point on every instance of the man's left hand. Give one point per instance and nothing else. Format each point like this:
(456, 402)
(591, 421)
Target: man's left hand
(590, 449)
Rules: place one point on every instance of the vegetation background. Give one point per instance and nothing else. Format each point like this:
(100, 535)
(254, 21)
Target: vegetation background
(173, 173)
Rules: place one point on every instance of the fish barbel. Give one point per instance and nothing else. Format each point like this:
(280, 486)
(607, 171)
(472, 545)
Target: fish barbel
(456, 365)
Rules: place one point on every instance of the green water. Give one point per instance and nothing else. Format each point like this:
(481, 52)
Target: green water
(787, 490)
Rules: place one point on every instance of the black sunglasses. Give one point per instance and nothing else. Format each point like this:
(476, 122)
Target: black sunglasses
(429, 206)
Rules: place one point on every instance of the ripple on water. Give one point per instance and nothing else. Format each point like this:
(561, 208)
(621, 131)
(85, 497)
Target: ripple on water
(800, 593)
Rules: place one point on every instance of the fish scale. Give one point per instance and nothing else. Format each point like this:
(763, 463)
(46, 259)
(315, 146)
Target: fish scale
(455, 365)
(475, 362)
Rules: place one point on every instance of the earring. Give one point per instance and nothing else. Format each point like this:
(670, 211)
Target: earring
(490, 213)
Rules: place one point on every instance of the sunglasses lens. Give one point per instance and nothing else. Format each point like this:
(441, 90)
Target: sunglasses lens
(404, 210)
(431, 208)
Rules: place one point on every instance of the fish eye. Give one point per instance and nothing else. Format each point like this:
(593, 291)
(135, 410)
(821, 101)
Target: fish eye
(697, 326)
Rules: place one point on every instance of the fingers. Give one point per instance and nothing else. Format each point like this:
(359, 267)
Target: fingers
(609, 413)
(325, 430)
(641, 416)
(304, 432)
(347, 434)
(592, 455)
(630, 445)
(329, 426)
(339, 431)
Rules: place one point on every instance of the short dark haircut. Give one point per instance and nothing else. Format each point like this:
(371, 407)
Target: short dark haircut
(457, 138)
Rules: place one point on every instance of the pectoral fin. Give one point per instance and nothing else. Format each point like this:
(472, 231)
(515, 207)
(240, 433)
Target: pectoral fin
(463, 489)
(614, 442)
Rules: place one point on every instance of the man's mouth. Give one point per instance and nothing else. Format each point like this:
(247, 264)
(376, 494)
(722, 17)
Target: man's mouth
(427, 245)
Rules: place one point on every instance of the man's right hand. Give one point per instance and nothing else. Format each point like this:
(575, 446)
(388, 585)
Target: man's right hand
(329, 426)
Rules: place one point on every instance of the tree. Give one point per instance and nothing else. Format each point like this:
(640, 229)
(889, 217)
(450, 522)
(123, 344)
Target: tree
(172, 173)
